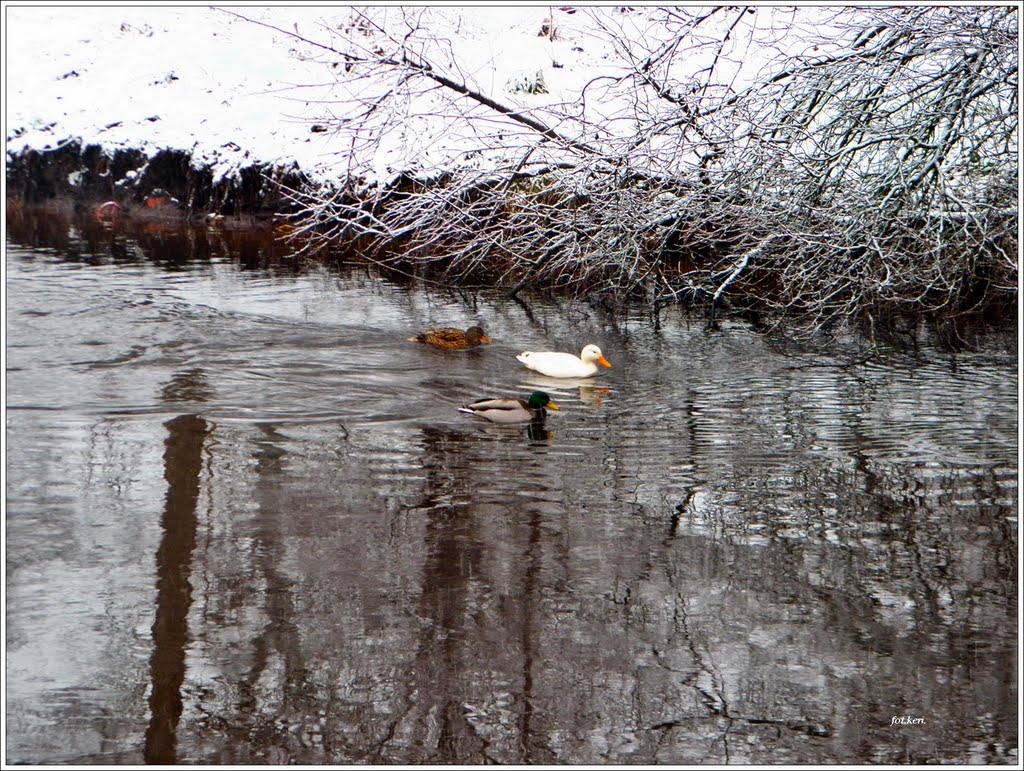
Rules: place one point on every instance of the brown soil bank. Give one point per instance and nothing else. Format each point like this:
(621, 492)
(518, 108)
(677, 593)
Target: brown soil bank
(164, 185)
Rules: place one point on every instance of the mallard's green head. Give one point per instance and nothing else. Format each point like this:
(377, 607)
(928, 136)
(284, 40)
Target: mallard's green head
(539, 399)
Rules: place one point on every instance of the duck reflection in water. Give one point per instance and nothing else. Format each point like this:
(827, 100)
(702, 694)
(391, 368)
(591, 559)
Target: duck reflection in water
(589, 394)
(537, 432)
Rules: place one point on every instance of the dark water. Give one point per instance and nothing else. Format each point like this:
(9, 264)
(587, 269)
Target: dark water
(246, 524)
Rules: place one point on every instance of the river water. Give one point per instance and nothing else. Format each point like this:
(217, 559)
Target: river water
(247, 524)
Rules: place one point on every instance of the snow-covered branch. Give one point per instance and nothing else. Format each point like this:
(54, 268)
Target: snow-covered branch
(814, 161)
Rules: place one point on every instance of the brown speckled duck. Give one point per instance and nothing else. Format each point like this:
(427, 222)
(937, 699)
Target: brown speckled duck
(451, 338)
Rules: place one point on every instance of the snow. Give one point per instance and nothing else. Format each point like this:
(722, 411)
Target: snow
(235, 92)
(153, 78)
(202, 79)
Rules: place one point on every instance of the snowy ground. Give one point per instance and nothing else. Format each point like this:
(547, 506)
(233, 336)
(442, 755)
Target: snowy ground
(202, 79)
(152, 78)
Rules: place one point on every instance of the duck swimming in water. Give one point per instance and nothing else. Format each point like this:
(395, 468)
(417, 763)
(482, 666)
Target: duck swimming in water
(510, 410)
(451, 338)
(565, 364)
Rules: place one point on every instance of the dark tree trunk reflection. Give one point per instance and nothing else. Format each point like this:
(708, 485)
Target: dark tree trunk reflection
(183, 458)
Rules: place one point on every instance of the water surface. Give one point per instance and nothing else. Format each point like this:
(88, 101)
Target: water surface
(246, 524)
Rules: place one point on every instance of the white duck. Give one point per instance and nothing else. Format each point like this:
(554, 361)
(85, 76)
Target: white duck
(565, 364)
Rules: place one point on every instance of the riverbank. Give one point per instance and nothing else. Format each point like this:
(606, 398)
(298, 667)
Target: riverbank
(216, 105)
(131, 184)
(221, 113)
(165, 112)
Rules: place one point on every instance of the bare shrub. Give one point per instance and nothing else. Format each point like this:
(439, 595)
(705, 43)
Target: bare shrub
(821, 164)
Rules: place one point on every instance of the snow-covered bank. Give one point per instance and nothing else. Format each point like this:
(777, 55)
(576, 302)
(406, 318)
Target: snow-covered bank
(228, 93)
(137, 78)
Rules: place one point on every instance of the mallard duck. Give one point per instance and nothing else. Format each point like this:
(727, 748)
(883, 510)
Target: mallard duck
(451, 338)
(565, 364)
(509, 410)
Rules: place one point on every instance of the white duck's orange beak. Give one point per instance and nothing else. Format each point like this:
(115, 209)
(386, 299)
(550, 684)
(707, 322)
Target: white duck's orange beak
(603, 361)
